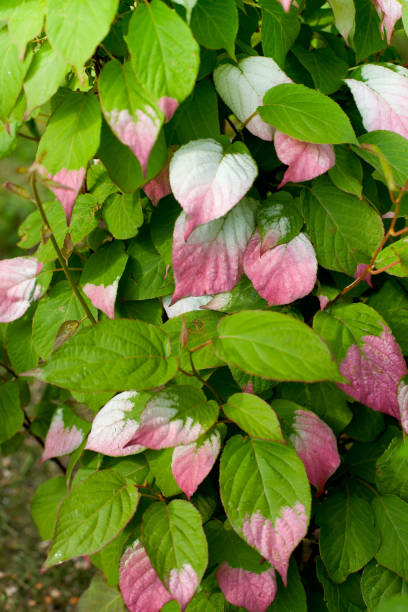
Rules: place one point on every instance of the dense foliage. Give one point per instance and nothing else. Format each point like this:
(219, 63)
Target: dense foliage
(207, 324)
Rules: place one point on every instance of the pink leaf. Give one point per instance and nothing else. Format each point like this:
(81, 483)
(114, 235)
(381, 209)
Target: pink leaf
(115, 424)
(374, 371)
(103, 297)
(182, 584)
(159, 186)
(18, 286)
(211, 260)
(157, 430)
(316, 445)
(139, 135)
(277, 542)
(382, 98)
(403, 403)
(305, 160)
(286, 5)
(61, 439)
(367, 278)
(284, 273)
(191, 463)
(168, 106)
(207, 181)
(71, 181)
(323, 301)
(141, 587)
(254, 592)
(389, 11)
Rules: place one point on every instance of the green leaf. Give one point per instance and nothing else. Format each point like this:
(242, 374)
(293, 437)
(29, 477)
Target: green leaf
(107, 559)
(362, 457)
(265, 483)
(92, 515)
(12, 73)
(325, 399)
(293, 597)
(366, 425)
(72, 134)
(19, 341)
(396, 603)
(11, 415)
(327, 69)
(345, 230)
(98, 182)
(344, 16)
(215, 24)
(306, 114)
(8, 138)
(112, 356)
(123, 214)
(279, 214)
(391, 516)
(392, 146)
(347, 174)
(164, 53)
(147, 275)
(160, 466)
(54, 309)
(99, 596)
(122, 165)
(367, 38)
(75, 29)
(254, 416)
(273, 345)
(378, 584)
(162, 226)
(43, 77)
(25, 22)
(395, 253)
(345, 597)
(45, 504)
(279, 29)
(391, 470)
(391, 302)
(199, 326)
(133, 468)
(197, 117)
(176, 545)
(348, 540)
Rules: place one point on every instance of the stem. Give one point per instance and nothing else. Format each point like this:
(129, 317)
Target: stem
(58, 252)
(391, 265)
(400, 232)
(200, 346)
(27, 426)
(237, 133)
(390, 232)
(249, 119)
(27, 136)
(197, 375)
(10, 370)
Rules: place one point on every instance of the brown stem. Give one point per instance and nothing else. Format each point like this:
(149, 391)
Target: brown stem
(400, 232)
(58, 251)
(201, 379)
(391, 265)
(196, 348)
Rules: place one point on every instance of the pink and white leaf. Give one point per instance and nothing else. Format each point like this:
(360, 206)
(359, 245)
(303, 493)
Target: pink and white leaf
(374, 371)
(382, 98)
(208, 182)
(305, 160)
(210, 261)
(276, 541)
(140, 586)
(71, 182)
(159, 186)
(168, 106)
(242, 588)
(316, 445)
(403, 402)
(389, 12)
(18, 286)
(367, 277)
(284, 273)
(182, 584)
(139, 132)
(114, 425)
(184, 305)
(243, 86)
(191, 463)
(61, 439)
(103, 297)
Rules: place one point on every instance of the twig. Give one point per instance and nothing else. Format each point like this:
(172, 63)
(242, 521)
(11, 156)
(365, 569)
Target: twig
(10, 370)
(207, 384)
(58, 251)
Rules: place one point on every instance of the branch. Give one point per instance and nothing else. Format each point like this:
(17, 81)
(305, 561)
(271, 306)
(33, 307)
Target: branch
(58, 251)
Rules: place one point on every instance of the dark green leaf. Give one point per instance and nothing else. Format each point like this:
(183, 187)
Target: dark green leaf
(11, 415)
